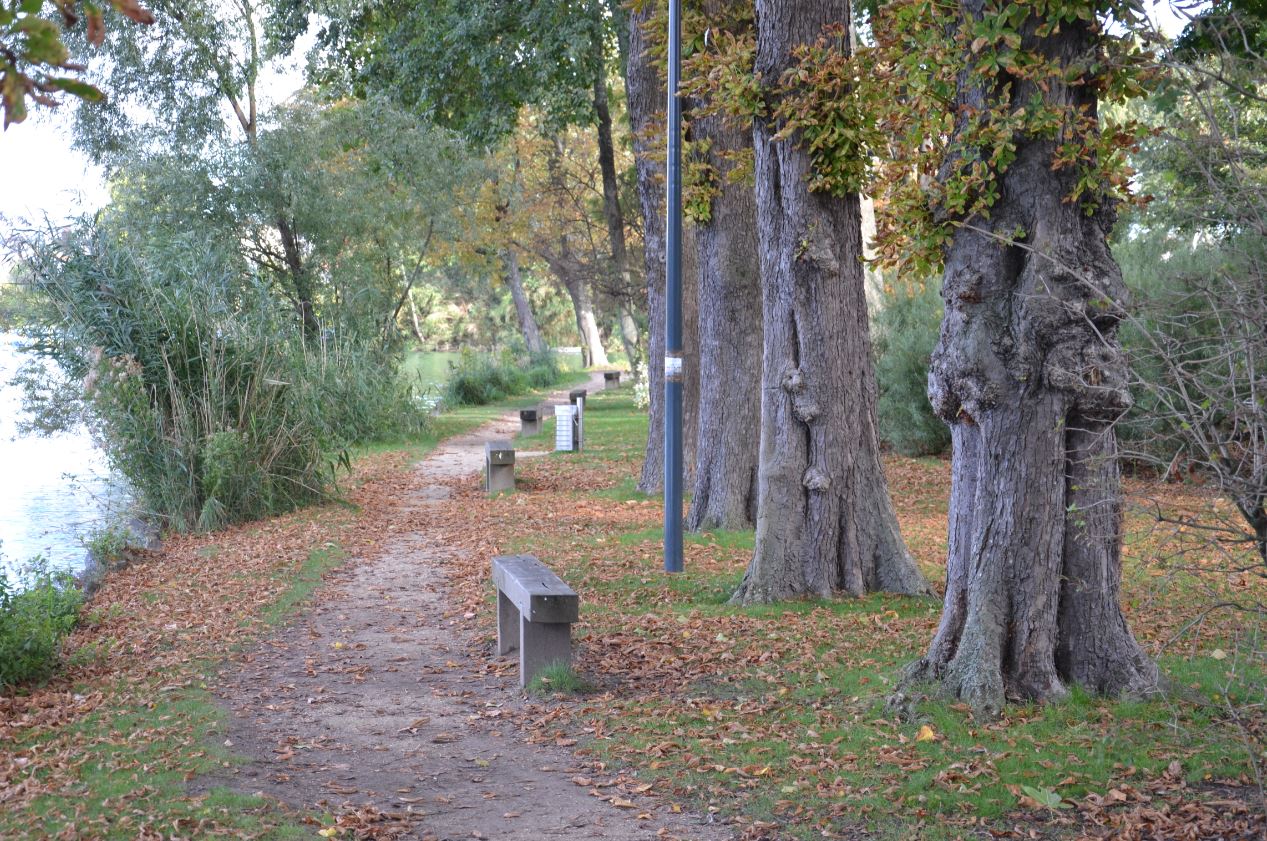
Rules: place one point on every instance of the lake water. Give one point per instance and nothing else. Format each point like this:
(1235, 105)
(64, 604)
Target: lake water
(52, 489)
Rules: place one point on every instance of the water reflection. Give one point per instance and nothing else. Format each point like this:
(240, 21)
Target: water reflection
(52, 489)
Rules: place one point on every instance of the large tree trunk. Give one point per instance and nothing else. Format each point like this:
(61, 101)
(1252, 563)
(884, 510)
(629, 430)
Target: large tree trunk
(690, 355)
(729, 316)
(646, 101)
(523, 308)
(1030, 376)
(825, 523)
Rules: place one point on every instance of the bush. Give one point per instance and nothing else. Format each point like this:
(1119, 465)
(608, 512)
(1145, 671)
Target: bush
(33, 623)
(477, 379)
(906, 330)
(202, 390)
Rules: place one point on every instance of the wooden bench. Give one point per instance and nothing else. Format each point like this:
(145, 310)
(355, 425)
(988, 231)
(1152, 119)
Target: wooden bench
(529, 421)
(499, 466)
(611, 379)
(535, 612)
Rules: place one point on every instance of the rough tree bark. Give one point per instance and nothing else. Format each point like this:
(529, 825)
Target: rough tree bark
(729, 315)
(523, 308)
(825, 522)
(690, 355)
(1029, 374)
(646, 101)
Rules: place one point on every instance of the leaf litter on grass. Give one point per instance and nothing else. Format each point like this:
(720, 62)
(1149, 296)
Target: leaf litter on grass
(774, 715)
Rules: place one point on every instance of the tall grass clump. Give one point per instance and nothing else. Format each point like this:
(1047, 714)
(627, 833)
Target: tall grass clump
(33, 622)
(198, 383)
(477, 378)
(906, 329)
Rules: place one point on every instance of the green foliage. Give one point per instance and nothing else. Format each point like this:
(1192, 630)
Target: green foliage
(109, 545)
(905, 333)
(203, 393)
(955, 94)
(477, 379)
(12, 306)
(821, 102)
(33, 622)
(471, 66)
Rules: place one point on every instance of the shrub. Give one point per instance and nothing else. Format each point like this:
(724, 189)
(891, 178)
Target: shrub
(354, 392)
(201, 388)
(477, 379)
(905, 333)
(33, 623)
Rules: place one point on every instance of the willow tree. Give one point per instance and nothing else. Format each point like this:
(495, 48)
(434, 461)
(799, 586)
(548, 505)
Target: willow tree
(1016, 202)
(191, 81)
(825, 522)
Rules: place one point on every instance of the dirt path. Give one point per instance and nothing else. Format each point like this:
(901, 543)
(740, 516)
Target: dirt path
(375, 698)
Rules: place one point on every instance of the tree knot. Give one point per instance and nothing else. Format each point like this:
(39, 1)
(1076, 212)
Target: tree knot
(793, 381)
(806, 410)
(816, 479)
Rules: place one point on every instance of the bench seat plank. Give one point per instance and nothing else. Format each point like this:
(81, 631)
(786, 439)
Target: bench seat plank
(539, 594)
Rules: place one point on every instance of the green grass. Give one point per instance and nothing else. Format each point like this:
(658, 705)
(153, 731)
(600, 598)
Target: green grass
(181, 735)
(558, 679)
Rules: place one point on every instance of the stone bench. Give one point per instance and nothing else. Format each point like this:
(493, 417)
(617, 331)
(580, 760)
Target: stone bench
(499, 466)
(530, 421)
(535, 612)
(611, 379)
(577, 396)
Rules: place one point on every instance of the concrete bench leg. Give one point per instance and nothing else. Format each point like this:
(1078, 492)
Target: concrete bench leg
(542, 644)
(501, 477)
(507, 624)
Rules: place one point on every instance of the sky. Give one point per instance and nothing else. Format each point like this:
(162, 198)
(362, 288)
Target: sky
(43, 174)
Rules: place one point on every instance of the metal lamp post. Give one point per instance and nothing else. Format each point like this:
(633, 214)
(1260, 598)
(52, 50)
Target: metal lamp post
(673, 299)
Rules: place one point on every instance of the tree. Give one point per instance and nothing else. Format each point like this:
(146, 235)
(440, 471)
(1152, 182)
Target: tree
(644, 86)
(1028, 371)
(171, 84)
(721, 202)
(474, 66)
(824, 519)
